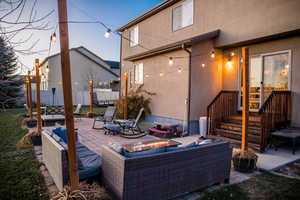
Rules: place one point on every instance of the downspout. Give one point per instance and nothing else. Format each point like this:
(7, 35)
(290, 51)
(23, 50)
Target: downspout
(188, 100)
(120, 70)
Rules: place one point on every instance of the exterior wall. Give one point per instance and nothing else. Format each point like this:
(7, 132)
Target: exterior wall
(170, 89)
(231, 78)
(207, 80)
(82, 70)
(237, 20)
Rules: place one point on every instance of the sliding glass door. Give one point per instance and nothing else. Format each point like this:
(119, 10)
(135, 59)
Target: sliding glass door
(267, 72)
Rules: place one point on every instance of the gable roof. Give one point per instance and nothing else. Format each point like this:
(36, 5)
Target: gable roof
(148, 13)
(113, 64)
(89, 55)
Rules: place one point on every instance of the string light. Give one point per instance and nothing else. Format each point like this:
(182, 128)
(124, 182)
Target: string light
(171, 61)
(107, 33)
(212, 55)
(232, 53)
(179, 70)
(147, 76)
(47, 69)
(203, 65)
(161, 74)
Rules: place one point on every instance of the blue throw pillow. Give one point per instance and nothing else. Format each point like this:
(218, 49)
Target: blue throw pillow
(62, 133)
(143, 153)
(193, 144)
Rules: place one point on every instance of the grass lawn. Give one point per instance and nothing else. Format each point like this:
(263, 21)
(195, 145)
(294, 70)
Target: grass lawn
(19, 170)
(263, 186)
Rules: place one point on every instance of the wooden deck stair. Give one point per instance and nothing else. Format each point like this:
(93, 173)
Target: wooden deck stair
(231, 130)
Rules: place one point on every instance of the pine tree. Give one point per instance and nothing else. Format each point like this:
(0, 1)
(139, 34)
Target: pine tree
(10, 82)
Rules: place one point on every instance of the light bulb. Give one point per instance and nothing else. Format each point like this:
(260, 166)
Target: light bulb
(212, 55)
(107, 33)
(203, 65)
(53, 37)
(179, 70)
(47, 69)
(171, 61)
(232, 53)
(161, 74)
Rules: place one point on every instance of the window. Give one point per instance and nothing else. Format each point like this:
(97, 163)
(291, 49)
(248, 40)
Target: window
(134, 36)
(139, 73)
(183, 15)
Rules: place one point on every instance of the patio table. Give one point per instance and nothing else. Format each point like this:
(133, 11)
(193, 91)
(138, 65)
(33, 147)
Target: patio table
(287, 134)
(50, 120)
(142, 146)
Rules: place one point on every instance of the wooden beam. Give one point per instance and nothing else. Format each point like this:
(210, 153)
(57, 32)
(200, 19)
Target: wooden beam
(30, 95)
(67, 90)
(38, 95)
(245, 90)
(91, 84)
(27, 94)
(126, 97)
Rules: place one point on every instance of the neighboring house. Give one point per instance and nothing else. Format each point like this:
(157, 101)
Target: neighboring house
(85, 66)
(214, 32)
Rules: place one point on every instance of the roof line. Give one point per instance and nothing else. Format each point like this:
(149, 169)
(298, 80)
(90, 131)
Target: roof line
(148, 13)
(174, 46)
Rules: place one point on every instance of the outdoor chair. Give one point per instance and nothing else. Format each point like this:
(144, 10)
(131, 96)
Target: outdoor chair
(107, 117)
(77, 112)
(126, 128)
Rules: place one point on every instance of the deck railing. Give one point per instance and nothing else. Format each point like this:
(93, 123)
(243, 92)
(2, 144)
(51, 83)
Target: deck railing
(223, 106)
(275, 113)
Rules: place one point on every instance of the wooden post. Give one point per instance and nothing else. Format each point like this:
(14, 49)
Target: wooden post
(67, 90)
(91, 84)
(126, 97)
(27, 93)
(38, 95)
(30, 95)
(245, 89)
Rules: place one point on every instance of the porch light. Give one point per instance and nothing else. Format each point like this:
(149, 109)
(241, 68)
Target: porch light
(229, 64)
(203, 65)
(171, 61)
(107, 33)
(212, 55)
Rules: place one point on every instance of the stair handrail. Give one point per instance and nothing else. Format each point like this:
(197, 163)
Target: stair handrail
(227, 101)
(275, 112)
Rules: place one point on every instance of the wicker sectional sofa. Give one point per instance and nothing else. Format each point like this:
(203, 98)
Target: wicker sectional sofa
(165, 175)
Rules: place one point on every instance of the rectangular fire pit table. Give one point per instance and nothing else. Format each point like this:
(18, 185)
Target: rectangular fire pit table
(50, 120)
(142, 146)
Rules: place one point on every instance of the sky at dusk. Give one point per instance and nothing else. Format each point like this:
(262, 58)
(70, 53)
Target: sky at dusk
(113, 13)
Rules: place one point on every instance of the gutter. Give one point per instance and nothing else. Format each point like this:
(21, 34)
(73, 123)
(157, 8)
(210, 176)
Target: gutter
(188, 100)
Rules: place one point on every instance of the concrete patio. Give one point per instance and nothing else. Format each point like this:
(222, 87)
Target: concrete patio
(94, 139)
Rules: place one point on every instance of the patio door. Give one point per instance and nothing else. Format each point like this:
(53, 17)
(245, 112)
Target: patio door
(267, 72)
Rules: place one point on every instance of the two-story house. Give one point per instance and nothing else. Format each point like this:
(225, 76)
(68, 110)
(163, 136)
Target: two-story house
(200, 41)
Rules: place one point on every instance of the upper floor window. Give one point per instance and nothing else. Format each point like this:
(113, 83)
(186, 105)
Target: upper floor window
(183, 15)
(134, 36)
(139, 73)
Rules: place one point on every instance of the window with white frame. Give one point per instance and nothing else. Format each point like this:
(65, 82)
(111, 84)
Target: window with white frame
(139, 73)
(134, 36)
(183, 15)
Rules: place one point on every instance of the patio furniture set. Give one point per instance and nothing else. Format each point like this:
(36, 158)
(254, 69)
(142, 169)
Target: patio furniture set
(154, 169)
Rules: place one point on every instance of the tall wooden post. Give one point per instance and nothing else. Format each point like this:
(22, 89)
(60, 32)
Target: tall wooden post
(245, 90)
(27, 95)
(38, 95)
(126, 97)
(30, 95)
(67, 90)
(91, 84)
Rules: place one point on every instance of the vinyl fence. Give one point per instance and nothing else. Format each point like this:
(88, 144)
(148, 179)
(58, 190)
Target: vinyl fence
(79, 97)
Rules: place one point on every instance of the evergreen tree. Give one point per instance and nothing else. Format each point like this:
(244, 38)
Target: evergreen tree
(10, 82)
